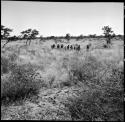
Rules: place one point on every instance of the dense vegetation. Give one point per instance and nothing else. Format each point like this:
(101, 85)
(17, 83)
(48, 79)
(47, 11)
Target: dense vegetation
(40, 83)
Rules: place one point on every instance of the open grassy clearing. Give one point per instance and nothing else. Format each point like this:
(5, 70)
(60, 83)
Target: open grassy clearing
(38, 83)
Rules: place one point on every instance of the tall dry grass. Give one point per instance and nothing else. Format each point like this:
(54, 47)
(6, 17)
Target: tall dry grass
(17, 81)
(99, 70)
(104, 100)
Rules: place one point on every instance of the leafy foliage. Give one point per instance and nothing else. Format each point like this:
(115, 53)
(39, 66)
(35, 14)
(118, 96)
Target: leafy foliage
(29, 34)
(5, 32)
(108, 34)
(67, 36)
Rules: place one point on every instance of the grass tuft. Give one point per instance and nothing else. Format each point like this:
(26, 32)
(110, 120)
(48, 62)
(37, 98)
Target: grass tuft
(19, 84)
(104, 101)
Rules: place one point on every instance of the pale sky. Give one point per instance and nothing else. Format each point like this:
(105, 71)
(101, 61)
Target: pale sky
(59, 18)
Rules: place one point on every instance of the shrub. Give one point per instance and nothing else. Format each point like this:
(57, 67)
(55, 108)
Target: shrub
(20, 84)
(85, 70)
(98, 104)
(4, 65)
(105, 102)
(7, 62)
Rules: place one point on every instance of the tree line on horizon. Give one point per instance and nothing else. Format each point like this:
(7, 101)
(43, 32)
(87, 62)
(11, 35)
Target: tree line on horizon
(30, 34)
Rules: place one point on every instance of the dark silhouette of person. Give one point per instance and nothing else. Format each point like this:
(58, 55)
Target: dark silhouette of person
(58, 46)
(53, 46)
(68, 47)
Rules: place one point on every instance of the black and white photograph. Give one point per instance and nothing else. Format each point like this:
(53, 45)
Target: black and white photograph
(62, 61)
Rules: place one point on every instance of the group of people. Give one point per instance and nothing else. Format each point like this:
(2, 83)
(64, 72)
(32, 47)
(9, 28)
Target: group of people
(68, 47)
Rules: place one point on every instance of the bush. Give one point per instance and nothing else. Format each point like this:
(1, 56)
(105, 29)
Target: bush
(105, 102)
(85, 70)
(98, 104)
(93, 72)
(5, 63)
(20, 84)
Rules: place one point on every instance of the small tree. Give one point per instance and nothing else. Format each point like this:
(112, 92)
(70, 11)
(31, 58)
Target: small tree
(29, 34)
(41, 38)
(5, 32)
(67, 36)
(108, 33)
(79, 37)
(34, 33)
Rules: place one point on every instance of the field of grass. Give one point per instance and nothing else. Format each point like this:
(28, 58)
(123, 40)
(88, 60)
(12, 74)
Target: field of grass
(40, 83)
